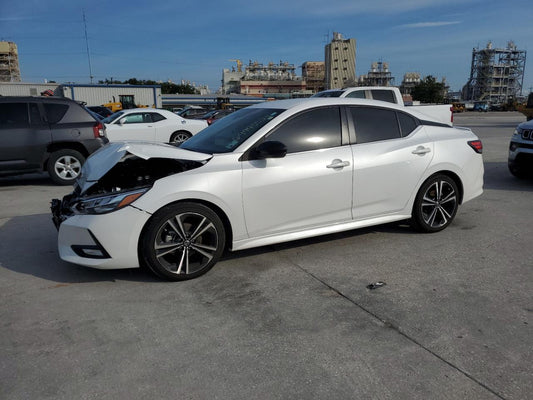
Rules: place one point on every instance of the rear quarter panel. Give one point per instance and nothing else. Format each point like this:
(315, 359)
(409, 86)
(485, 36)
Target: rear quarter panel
(452, 153)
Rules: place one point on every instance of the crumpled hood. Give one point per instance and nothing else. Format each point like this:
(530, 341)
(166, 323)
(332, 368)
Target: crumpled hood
(100, 162)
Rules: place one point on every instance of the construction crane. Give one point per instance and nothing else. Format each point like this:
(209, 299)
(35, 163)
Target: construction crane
(239, 64)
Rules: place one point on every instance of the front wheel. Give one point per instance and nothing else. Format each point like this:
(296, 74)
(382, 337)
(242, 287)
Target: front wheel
(436, 204)
(64, 166)
(517, 170)
(179, 137)
(182, 241)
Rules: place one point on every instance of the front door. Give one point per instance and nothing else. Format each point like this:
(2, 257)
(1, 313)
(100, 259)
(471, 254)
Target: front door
(310, 187)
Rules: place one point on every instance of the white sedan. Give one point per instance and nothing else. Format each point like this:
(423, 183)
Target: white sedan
(269, 173)
(150, 124)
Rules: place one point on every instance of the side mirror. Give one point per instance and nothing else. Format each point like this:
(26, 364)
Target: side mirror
(121, 121)
(269, 149)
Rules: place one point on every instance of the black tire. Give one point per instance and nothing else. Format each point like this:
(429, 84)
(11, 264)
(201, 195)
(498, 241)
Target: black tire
(182, 241)
(516, 170)
(436, 204)
(179, 137)
(64, 166)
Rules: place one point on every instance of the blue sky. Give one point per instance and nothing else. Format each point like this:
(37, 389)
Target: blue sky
(194, 40)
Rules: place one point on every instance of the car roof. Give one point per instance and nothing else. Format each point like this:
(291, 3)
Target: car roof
(34, 98)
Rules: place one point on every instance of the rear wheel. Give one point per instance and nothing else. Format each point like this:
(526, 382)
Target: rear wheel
(179, 137)
(182, 241)
(436, 204)
(64, 166)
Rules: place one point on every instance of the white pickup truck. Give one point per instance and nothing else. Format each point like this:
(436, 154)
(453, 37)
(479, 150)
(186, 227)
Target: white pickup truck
(441, 112)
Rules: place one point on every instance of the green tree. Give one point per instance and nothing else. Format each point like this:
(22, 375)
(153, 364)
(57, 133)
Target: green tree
(172, 88)
(429, 91)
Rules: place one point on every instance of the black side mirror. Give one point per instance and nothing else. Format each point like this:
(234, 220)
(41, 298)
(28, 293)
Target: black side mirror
(269, 149)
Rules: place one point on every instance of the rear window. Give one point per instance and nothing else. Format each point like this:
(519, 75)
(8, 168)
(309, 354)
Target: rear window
(55, 112)
(383, 95)
(329, 93)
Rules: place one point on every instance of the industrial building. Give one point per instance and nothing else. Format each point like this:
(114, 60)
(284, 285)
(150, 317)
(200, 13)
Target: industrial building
(93, 95)
(496, 74)
(378, 75)
(410, 80)
(262, 80)
(340, 62)
(271, 79)
(9, 62)
(313, 73)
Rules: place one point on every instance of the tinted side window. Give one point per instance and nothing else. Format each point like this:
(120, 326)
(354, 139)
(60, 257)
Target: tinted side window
(315, 129)
(54, 112)
(407, 123)
(14, 115)
(373, 124)
(383, 95)
(359, 94)
(157, 117)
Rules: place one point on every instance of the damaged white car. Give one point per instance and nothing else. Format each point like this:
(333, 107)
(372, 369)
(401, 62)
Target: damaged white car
(269, 173)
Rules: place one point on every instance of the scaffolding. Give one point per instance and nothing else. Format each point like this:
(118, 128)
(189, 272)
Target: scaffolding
(379, 75)
(496, 75)
(9, 62)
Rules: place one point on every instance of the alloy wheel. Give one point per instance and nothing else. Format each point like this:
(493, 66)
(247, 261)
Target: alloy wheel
(186, 243)
(439, 204)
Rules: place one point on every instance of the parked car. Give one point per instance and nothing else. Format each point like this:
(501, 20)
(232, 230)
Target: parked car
(51, 134)
(192, 111)
(440, 112)
(268, 173)
(214, 115)
(520, 160)
(104, 112)
(151, 124)
(481, 107)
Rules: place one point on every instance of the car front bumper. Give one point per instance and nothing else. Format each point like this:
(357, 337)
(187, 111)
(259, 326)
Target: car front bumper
(88, 240)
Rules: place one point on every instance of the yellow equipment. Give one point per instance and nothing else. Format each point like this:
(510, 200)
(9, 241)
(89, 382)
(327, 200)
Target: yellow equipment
(126, 101)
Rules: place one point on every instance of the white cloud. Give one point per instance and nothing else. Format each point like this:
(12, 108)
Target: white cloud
(430, 24)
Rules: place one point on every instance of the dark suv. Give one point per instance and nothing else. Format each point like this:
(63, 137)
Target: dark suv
(51, 134)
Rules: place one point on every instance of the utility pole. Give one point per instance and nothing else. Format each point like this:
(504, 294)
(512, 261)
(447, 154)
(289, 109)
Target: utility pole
(87, 44)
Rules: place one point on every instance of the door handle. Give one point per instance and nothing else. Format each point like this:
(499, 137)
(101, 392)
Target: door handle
(338, 164)
(421, 150)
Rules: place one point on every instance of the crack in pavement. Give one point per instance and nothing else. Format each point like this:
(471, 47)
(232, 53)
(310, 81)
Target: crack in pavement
(389, 325)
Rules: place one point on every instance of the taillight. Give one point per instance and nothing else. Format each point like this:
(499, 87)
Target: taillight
(451, 112)
(99, 130)
(476, 145)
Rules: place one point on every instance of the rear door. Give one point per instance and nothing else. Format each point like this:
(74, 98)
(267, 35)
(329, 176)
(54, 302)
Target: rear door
(24, 137)
(391, 153)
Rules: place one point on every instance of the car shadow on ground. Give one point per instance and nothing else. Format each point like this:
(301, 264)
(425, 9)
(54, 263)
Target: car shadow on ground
(28, 245)
(36, 179)
(498, 177)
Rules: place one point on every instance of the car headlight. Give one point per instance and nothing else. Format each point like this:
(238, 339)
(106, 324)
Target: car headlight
(108, 203)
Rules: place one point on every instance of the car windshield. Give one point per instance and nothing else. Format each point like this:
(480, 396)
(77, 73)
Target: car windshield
(112, 117)
(231, 131)
(329, 93)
